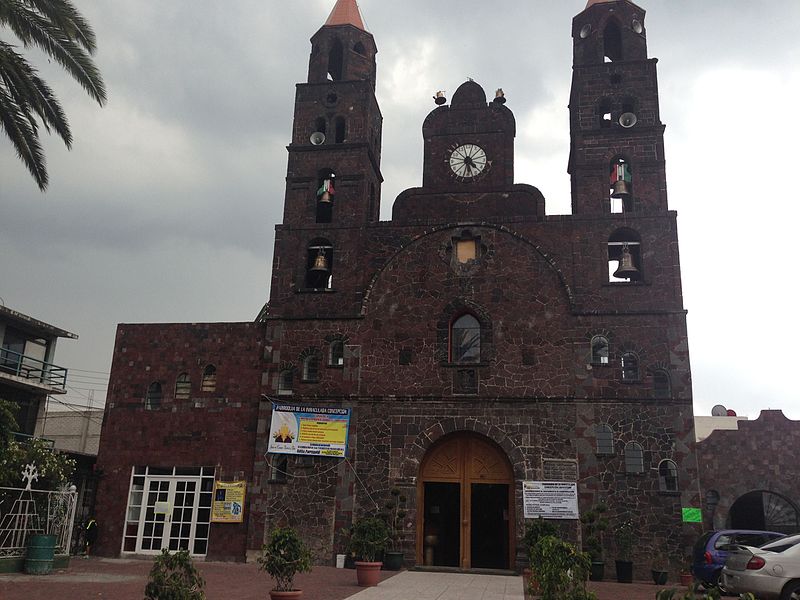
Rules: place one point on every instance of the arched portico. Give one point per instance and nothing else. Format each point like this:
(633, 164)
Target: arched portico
(465, 495)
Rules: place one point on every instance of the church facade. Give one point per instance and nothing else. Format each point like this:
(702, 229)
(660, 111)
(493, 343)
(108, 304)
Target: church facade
(477, 341)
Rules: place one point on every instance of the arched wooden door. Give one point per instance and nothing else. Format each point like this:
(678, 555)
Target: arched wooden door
(466, 495)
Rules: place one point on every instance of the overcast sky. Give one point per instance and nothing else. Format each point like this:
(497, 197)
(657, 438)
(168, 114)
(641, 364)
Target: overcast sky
(165, 208)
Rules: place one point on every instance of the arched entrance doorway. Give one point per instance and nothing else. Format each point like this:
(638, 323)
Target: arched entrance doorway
(466, 492)
(764, 511)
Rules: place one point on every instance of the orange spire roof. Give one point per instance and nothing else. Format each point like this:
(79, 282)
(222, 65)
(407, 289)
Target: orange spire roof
(346, 13)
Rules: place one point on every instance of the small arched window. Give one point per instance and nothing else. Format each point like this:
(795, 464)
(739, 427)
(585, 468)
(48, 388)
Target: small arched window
(336, 354)
(319, 265)
(183, 387)
(667, 476)
(599, 350)
(152, 400)
(279, 468)
(285, 382)
(465, 340)
(335, 61)
(311, 368)
(630, 367)
(340, 125)
(621, 186)
(605, 439)
(612, 41)
(662, 388)
(209, 382)
(624, 256)
(634, 458)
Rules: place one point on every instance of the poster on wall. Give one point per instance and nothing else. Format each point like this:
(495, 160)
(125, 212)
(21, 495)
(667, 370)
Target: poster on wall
(228, 503)
(550, 499)
(309, 430)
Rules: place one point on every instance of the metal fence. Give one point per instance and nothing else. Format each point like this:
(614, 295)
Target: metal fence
(29, 512)
(28, 367)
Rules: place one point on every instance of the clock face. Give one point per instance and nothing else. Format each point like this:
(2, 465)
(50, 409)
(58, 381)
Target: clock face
(468, 161)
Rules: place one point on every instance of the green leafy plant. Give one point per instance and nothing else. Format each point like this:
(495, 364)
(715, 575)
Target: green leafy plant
(284, 556)
(712, 594)
(397, 512)
(623, 537)
(368, 538)
(537, 529)
(174, 577)
(560, 570)
(54, 468)
(594, 524)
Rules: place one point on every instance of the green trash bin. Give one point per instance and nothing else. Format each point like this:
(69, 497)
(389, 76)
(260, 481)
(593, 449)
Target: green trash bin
(41, 551)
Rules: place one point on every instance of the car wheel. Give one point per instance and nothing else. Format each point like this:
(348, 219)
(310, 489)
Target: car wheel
(713, 582)
(791, 591)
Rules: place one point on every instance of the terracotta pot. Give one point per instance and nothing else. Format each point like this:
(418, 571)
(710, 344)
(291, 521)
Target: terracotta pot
(687, 579)
(368, 574)
(292, 595)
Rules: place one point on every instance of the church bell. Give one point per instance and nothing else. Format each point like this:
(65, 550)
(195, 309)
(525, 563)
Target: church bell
(320, 263)
(620, 189)
(626, 269)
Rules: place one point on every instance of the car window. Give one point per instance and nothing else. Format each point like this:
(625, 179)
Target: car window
(752, 539)
(782, 544)
(723, 540)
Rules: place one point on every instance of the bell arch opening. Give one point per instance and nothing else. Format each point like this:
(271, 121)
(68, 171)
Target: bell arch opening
(465, 490)
(764, 511)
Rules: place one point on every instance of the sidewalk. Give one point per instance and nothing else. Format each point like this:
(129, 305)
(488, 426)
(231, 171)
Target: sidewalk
(124, 579)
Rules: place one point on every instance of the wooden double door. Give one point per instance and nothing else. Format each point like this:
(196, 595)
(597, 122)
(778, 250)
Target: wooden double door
(466, 493)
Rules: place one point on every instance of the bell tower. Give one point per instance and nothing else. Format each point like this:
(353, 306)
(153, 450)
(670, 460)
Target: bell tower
(617, 138)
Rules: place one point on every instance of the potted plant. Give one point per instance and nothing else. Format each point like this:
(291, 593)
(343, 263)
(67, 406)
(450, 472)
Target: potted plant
(685, 576)
(393, 558)
(174, 576)
(534, 531)
(282, 557)
(594, 524)
(624, 542)
(368, 538)
(659, 569)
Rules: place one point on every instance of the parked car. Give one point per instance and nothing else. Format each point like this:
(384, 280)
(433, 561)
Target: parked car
(712, 548)
(771, 572)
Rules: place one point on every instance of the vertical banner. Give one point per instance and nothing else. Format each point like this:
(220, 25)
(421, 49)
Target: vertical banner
(309, 430)
(228, 503)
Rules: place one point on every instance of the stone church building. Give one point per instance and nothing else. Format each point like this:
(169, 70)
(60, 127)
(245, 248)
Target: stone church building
(478, 341)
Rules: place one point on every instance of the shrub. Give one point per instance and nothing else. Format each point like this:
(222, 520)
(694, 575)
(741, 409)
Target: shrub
(594, 524)
(536, 529)
(284, 556)
(624, 540)
(174, 577)
(368, 538)
(560, 570)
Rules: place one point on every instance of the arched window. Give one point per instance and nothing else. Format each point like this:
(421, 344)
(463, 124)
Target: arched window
(465, 340)
(153, 399)
(285, 382)
(634, 458)
(319, 265)
(630, 367)
(661, 384)
(621, 184)
(667, 476)
(320, 125)
(311, 368)
(209, 382)
(599, 350)
(340, 125)
(359, 48)
(336, 61)
(336, 354)
(624, 256)
(279, 468)
(183, 387)
(612, 41)
(604, 436)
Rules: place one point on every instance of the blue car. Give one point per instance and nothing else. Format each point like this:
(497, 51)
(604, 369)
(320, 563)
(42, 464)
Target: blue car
(711, 550)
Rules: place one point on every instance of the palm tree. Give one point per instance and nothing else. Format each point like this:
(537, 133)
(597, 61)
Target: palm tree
(57, 28)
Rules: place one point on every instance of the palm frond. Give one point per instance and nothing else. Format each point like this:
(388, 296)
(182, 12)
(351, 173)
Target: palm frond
(65, 16)
(20, 126)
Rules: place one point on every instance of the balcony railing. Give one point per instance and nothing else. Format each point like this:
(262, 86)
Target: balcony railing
(33, 369)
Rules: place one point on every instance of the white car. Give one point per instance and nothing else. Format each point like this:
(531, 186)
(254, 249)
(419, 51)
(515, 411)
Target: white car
(771, 572)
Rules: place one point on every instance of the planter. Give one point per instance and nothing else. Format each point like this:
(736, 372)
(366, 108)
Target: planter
(624, 571)
(292, 595)
(659, 576)
(368, 574)
(392, 561)
(597, 571)
(41, 551)
(687, 579)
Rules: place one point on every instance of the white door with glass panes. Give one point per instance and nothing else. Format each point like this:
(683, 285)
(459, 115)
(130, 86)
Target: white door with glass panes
(169, 508)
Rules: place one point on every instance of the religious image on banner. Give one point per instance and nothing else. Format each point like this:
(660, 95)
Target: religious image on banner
(309, 430)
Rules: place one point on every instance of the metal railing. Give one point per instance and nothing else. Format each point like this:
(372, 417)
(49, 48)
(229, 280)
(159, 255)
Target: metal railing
(28, 367)
(29, 512)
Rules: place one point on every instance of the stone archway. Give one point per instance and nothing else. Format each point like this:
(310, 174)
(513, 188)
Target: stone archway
(465, 495)
(764, 510)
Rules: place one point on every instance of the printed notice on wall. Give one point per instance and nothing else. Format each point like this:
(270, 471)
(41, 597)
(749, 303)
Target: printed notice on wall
(550, 499)
(309, 430)
(228, 504)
